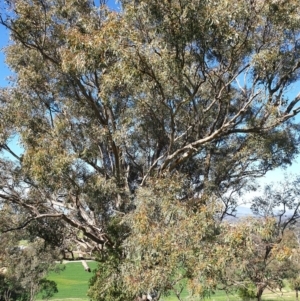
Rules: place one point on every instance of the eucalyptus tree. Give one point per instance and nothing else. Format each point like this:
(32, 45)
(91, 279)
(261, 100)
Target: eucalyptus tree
(280, 200)
(265, 247)
(109, 107)
(262, 257)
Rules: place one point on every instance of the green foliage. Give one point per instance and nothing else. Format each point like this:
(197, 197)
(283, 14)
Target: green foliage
(247, 293)
(295, 283)
(47, 288)
(107, 283)
(51, 231)
(158, 253)
(11, 289)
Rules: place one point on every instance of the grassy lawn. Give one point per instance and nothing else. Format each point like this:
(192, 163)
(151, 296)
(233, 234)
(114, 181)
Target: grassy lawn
(72, 283)
(221, 296)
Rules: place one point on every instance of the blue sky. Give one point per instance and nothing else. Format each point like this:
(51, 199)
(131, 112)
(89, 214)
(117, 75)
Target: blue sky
(276, 175)
(4, 71)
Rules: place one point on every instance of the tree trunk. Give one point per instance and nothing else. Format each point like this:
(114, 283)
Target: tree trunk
(258, 296)
(297, 295)
(85, 265)
(259, 293)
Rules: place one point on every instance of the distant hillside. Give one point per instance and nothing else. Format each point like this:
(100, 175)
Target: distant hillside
(244, 211)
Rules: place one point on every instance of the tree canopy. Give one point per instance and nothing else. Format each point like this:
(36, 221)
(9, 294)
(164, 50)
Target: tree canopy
(140, 124)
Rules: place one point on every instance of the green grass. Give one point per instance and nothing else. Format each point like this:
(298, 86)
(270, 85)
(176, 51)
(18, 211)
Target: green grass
(72, 282)
(221, 296)
(218, 296)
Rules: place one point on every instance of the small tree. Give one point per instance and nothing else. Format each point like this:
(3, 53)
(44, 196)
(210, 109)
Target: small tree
(47, 288)
(25, 267)
(295, 285)
(267, 254)
(261, 258)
